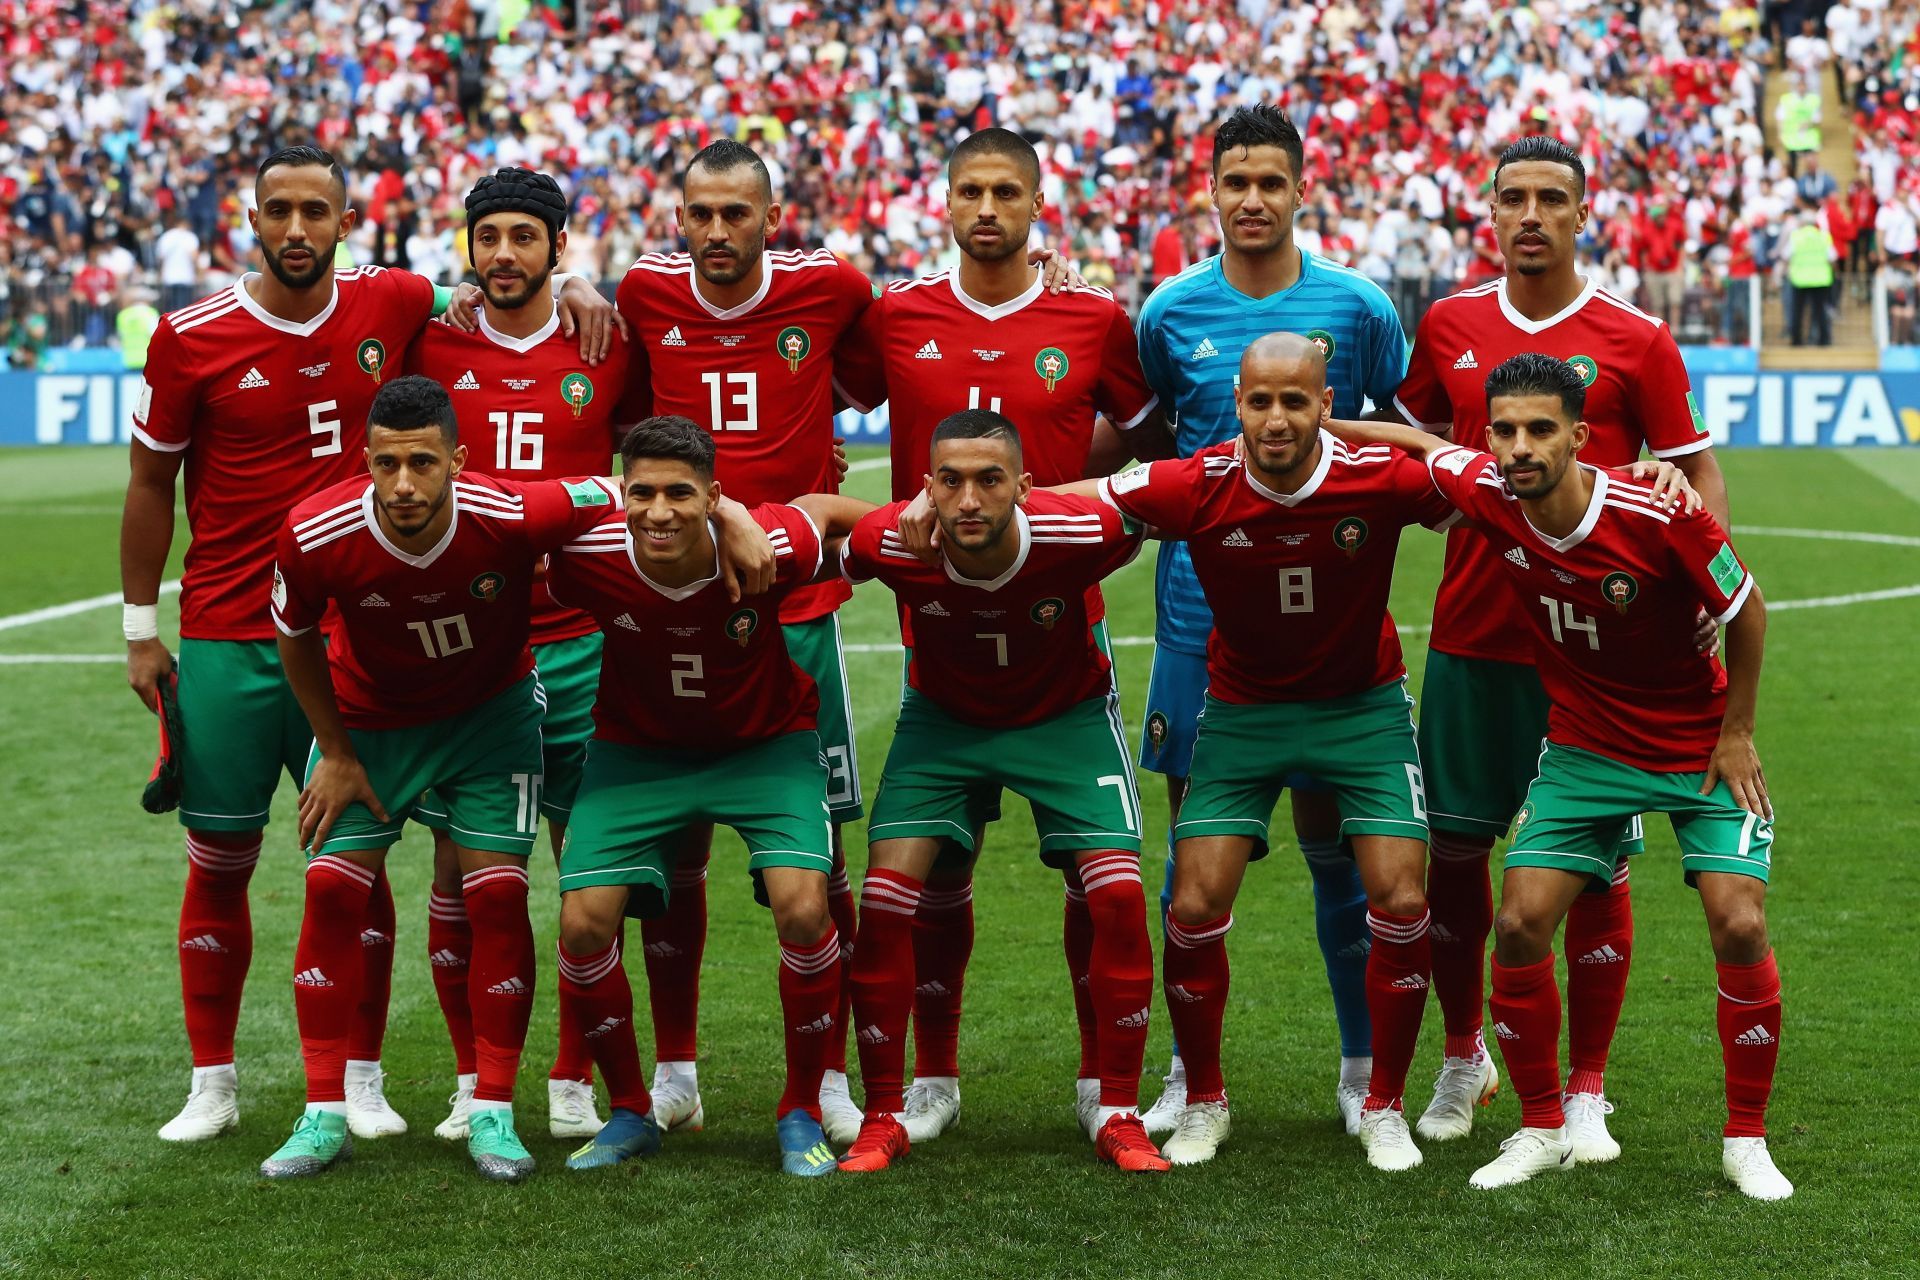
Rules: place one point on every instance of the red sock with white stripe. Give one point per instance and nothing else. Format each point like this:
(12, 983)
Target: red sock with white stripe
(1120, 975)
(674, 945)
(1195, 974)
(326, 970)
(809, 998)
(501, 978)
(216, 939)
(882, 982)
(1076, 935)
(1460, 896)
(1599, 949)
(1526, 1024)
(369, 1030)
(450, 953)
(1749, 1021)
(1399, 971)
(601, 1001)
(845, 925)
(942, 945)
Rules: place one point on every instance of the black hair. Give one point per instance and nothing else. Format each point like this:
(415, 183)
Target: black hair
(1260, 125)
(997, 142)
(723, 154)
(519, 191)
(1549, 149)
(411, 403)
(1532, 374)
(672, 437)
(300, 158)
(976, 424)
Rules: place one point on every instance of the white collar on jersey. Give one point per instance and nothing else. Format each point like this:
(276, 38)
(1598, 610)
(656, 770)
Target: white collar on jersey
(1520, 322)
(1328, 443)
(677, 594)
(1023, 532)
(986, 312)
(372, 518)
(520, 345)
(1592, 517)
(273, 321)
(730, 313)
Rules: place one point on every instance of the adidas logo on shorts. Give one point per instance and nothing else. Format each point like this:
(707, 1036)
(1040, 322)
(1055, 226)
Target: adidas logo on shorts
(510, 987)
(1238, 538)
(1519, 557)
(1754, 1036)
(467, 382)
(928, 352)
(1134, 1020)
(873, 1035)
(606, 1025)
(311, 978)
(445, 959)
(1603, 955)
(673, 338)
(822, 1023)
(205, 942)
(1505, 1032)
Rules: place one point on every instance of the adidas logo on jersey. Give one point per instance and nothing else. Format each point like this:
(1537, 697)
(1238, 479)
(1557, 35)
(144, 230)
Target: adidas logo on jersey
(1519, 557)
(311, 978)
(873, 1035)
(933, 609)
(1755, 1035)
(822, 1023)
(375, 938)
(626, 622)
(252, 380)
(606, 1025)
(661, 950)
(1205, 349)
(1412, 982)
(375, 601)
(673, 338)
(1134, 1020)
(1238, 538)
(1183, 995)
(467, 382)
(928, 352)
(934, 988)
(445, 959)
(205, 942)
(510, 987)
(1467, 361)
(1603, 955)
(1505, 1032)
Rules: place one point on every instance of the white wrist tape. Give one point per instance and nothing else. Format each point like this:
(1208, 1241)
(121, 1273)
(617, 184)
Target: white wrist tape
(140, 621)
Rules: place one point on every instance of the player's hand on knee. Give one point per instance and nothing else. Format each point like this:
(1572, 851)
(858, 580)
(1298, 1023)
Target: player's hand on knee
(1736, 763)
(148, 663)
(333, 786)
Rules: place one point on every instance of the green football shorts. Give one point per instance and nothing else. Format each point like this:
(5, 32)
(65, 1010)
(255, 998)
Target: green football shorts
(1074, 769)
(241, 725)
(815, 646)
(1574, 809)
(635, 803)
(569, 672)
(1360, 746)
(483, 763)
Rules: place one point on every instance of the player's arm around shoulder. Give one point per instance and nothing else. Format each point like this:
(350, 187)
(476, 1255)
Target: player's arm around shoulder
(834, 517)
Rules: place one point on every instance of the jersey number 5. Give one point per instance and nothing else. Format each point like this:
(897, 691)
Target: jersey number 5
(319, 424)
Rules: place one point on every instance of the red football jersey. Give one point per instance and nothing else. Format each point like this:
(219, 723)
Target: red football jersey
(1018, 649)
(684, 666)
(1298, 583)
(1611, 610)
(1050, 362)
(421, 637)
(531, 409)
(1637, 394)
(268, 411)
(759, 376)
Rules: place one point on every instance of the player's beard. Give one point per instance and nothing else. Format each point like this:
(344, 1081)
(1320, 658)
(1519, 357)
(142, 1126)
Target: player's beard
(731, 270)
(1546, 480)
(1012, 240)
(514, 301)
(433, 510)
(996, 530)
(322, 265)
(1302, 452)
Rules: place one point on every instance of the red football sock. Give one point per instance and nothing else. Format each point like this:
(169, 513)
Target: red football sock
(216, 939)
(1120, 972)
(1749, 1018)
(840, 907)
(1194, 972)
(942, 945)
(809, 996)
(674, 944)
(1460, 897)
(1599, 948)
(450, 952)
(500, 981)
(326, 970)
(572, 1059)
(1399, 971)
(882, 982)
(1077, 937)
(602, 1004)
(1526, 1022)
(369, 1030)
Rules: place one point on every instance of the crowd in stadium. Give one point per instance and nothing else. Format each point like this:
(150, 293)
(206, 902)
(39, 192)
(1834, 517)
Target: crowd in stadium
(128, 129)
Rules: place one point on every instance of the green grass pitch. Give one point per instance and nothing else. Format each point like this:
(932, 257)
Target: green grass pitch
(93, 1056)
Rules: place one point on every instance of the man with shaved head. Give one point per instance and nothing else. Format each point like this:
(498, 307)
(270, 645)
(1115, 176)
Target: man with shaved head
(1292, 535)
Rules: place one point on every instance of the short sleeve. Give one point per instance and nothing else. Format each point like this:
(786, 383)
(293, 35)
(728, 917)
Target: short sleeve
(854, 294)
(1702, 551)
(1384, 358)
(1663, 401)
(627, 302)
(1161, 495)
(1123, 394)
(1421, 397)
(163, 416)
(860, 360)
(413, 296)
(558, 511)
(298, 601)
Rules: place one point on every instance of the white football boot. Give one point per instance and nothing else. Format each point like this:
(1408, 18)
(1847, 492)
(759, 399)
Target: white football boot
(1526, 1153)
(212, 1108)
(369, 1115)
(932, 1107)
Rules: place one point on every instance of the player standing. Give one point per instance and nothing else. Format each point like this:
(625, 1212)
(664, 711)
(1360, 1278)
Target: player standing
(1483, 711)
(1193, 331)
(1639, 722)
(428, 683)
(1008, 687)
(702, 717)
(535, 411)
(990, 334)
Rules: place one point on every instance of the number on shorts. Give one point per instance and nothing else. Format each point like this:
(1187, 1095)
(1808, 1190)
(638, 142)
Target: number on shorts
(1417, 784)
(684, 675)
(839, 775)
(1122, 784)
(526, 813)
(443, 637)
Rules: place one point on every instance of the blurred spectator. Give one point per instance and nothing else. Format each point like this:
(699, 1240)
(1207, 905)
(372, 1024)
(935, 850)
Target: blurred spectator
(177, 253)
(1797, 114)
(27, 342)
(135, 324)
(1899, 282)
(1809, 263)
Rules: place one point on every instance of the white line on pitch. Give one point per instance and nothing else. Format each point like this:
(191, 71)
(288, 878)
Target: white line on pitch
(51, 659)
(72, 607)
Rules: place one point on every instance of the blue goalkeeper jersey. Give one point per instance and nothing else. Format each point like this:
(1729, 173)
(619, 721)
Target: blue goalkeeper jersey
(1192, 332)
